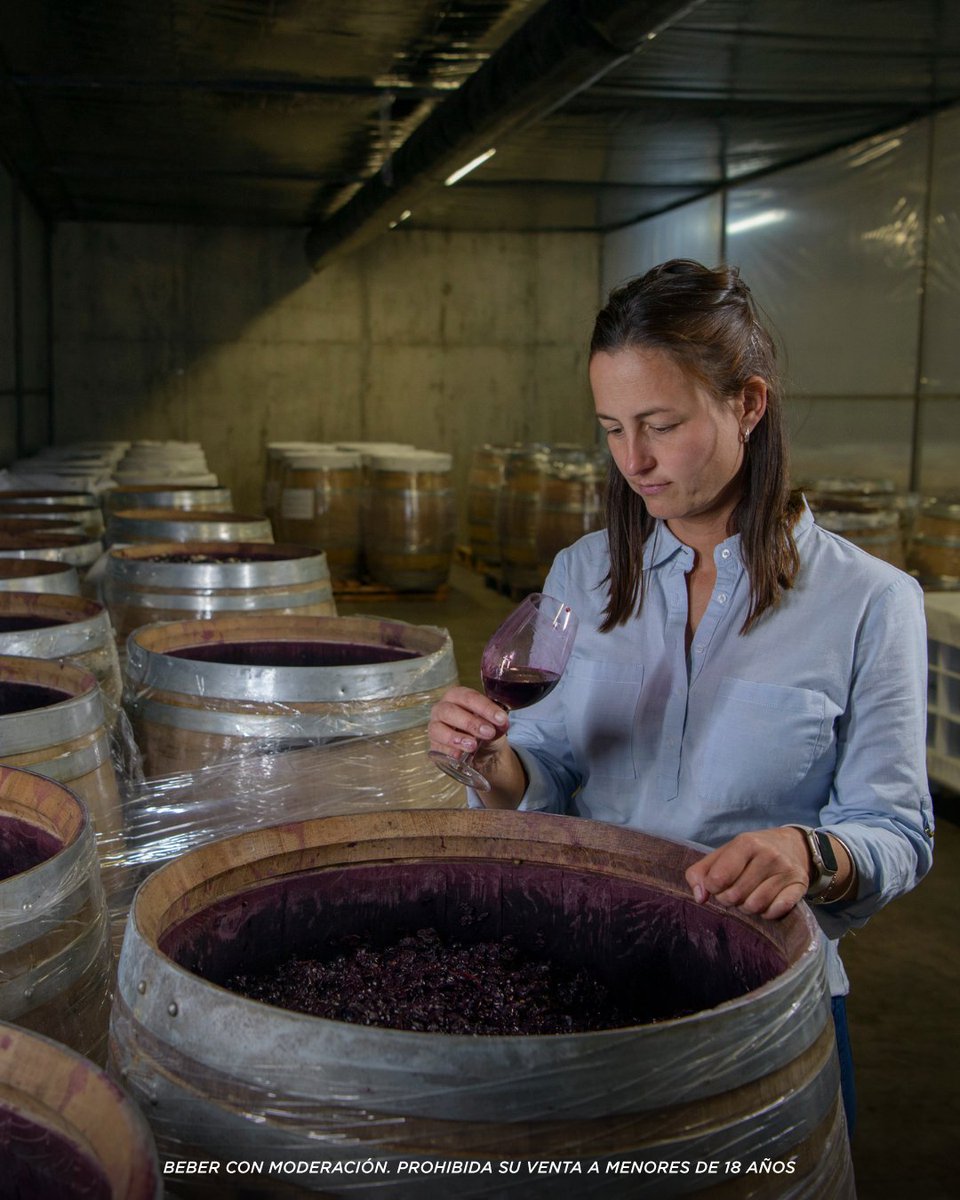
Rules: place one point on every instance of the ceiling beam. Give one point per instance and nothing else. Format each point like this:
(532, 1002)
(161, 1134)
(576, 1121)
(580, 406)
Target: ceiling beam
(562, 49)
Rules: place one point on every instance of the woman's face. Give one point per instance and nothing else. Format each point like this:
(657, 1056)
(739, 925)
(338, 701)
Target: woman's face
(675, 444)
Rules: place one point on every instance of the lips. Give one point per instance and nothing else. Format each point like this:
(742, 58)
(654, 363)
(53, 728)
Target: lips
(651, 489)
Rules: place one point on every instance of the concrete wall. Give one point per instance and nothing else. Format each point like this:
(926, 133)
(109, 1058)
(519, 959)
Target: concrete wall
(24, 323)
(223, 336)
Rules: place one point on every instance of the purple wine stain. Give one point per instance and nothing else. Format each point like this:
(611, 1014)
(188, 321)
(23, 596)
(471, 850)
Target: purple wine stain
(653, 955)
(24, 846)
(25, 697)
(293, 654)
(519, 687)
(20, 624)
(39, 1164)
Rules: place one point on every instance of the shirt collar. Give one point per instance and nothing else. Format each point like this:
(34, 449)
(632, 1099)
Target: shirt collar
(665, 546)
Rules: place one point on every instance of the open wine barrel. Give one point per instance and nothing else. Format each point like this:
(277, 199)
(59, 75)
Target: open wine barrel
(41, 625)
(150, 495)
(731, 1056)
(52, 722)
(38, 575)
(68, 1132)
(200, 692)
(189, 580)
(87, 516)
(55, 958)
(139, 525)
(77, 549)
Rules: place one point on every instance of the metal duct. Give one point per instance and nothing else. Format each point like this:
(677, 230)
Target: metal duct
(563, 48)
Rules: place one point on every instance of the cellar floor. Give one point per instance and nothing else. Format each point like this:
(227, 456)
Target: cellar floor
(904, 968)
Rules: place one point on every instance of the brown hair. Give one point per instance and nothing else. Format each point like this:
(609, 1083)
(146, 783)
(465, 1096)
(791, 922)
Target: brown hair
(708, 323)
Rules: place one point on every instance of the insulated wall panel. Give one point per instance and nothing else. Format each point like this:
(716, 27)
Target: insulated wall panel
(693, 231)
(833, 250)
(940, 351)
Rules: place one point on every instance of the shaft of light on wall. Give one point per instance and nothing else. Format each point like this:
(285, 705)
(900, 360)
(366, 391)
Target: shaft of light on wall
(769, 217)
(470, 166)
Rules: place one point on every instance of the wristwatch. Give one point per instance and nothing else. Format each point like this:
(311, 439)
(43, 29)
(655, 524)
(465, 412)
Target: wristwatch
(822, 857)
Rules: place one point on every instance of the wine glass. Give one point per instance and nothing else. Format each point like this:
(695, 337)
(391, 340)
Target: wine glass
(522, 663)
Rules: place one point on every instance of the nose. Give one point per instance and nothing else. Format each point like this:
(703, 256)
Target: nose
(639, 457)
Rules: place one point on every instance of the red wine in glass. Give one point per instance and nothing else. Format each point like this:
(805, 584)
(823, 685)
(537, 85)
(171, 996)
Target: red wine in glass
(521, 664)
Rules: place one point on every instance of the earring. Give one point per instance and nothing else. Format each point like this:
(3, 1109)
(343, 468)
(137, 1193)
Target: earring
(744, 436)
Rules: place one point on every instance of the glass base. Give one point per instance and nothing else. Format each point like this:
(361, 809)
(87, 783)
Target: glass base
(461, 769)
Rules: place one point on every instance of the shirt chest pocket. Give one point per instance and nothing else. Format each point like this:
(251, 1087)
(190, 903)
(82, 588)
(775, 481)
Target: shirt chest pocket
(759, 739)
(603, 699)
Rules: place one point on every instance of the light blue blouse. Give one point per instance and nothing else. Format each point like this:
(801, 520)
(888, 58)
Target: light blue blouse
(816, 716)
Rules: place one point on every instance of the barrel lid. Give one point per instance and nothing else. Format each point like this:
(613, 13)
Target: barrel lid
(321, 459)
(416, 460)
(937, 506)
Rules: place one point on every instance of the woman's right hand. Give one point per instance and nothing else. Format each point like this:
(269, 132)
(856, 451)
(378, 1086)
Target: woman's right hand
(465, 720)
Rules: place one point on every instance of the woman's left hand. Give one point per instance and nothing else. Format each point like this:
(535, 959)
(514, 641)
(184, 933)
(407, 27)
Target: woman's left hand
(765, 872)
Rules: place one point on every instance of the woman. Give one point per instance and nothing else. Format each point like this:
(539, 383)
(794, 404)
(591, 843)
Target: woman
(741, 678)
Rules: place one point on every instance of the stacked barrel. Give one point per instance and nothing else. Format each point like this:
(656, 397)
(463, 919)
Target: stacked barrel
(526, 502)
(383, 512)
(189, 682)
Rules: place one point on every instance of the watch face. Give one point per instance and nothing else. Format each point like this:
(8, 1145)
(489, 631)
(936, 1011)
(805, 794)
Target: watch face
(826, 851)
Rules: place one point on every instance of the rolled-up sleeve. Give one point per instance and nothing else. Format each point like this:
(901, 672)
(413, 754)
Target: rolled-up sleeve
(879, 804)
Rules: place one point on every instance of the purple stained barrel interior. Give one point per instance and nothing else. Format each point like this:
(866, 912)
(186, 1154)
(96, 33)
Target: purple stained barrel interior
(668, 954)
(212, 556)
(23, 846)
(293, 654)
(23, 697)
(19, 623)
(38, 1163)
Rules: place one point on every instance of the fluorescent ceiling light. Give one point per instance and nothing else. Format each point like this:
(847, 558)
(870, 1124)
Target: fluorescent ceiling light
(770, 217)
(472, 165)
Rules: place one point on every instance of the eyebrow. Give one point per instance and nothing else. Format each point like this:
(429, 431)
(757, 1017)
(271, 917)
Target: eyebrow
(639, 416)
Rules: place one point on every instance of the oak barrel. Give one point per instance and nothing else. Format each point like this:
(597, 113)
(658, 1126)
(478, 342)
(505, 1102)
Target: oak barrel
(188, 580)
(138, 525)
(68, 1132)
(410, 519)
(748, 1071)
(320, 505)
(571, 502)
(524, 473)
(52, 721)
(38, 575)
(87, 517)
(485, 486)
(40, 625)
(200, 692)
(935, 548)
(76, 549)
(148, 495)
(55, 957)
